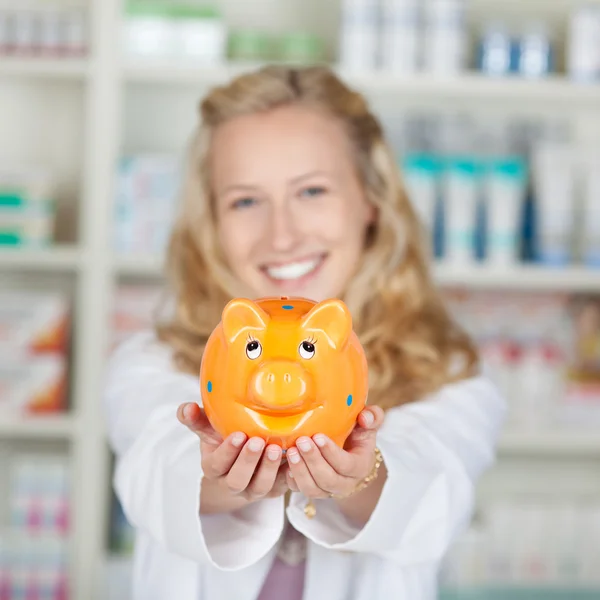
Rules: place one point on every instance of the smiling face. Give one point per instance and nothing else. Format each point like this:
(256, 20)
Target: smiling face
(292, 214)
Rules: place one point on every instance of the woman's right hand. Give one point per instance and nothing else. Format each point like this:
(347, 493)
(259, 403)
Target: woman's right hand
(236, 465)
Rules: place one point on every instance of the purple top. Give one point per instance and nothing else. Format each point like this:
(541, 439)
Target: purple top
(287, 570)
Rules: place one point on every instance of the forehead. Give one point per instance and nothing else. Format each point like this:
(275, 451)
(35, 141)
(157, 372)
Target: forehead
(293, 139)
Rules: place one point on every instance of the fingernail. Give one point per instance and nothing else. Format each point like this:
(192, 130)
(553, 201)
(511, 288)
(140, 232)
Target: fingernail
(290, 473)
(368, 418)
(256, 444)
(273, 453)
(293, 457)
(187, 411)
(303, 444)
(320, 440)
(238, 439)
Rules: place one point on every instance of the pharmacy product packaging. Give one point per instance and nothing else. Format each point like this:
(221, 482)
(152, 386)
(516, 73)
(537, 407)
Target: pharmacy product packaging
(581, 406)
(359, 35)
(33, 383)
(445, 36)
(462, 191)
(27, 208)
(34, 322)
(590, 217)
(554, 174)
(135, 307)
(422, 178)
(400, 51)
(146, 203)
(583, 49)
(39, 495)
(505, 192)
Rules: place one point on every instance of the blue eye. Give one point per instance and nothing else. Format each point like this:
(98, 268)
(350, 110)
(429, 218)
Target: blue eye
(313, 191)
(243, 203)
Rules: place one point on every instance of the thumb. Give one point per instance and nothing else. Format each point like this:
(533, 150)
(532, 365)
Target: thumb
(195, 419)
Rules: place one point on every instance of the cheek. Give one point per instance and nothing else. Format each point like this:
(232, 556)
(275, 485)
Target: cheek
(239, 238)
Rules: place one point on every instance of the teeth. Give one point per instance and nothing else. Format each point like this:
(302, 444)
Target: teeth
(293, 270)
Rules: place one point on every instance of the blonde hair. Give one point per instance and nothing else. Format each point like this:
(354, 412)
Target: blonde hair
(413, 347)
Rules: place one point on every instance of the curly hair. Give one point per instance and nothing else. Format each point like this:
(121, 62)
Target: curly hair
(412, 344)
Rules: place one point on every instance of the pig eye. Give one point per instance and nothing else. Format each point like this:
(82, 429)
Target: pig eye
(253, 350)
(307, 350)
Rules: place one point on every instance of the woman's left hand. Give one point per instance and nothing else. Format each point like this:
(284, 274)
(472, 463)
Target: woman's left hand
(319, 468)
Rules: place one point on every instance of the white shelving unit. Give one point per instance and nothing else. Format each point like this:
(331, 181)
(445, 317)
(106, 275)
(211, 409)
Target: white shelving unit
(105, 90)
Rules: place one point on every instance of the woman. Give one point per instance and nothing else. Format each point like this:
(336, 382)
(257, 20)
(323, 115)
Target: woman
(292, 190)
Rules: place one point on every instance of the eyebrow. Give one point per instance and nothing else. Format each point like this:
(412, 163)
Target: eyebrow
(240, 187)
(307, 176)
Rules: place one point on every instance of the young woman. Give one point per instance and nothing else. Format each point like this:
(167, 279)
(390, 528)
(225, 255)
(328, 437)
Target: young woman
(292, 190)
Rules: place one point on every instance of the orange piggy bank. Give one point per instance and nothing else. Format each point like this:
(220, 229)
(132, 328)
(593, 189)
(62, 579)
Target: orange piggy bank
(281, 368)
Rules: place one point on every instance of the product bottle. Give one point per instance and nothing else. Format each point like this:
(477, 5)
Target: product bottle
(583, 50)
(445, 42)
(400, 35)
(495, 50)
(359, 34)
(591, 210)
(536, 58)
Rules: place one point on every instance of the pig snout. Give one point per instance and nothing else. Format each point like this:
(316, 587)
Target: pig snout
(280, 387)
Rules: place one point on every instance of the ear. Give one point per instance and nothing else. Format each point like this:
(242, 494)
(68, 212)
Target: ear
(331, 319)
(241, 315)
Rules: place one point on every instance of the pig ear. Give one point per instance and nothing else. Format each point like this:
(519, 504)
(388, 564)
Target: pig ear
(241, 316)
(330, 319)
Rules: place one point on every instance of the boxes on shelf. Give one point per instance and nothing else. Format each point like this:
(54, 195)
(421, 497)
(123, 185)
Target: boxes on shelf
(146, 200)
(43, 28)
(34, 338)
(27, 207)
(541, 349)
(528, 542)
(34, 546)
(134, 309)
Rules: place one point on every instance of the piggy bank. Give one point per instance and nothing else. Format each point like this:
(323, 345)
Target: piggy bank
(282, 368)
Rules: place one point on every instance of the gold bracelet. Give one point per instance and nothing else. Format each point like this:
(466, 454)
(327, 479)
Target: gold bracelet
(310, 509)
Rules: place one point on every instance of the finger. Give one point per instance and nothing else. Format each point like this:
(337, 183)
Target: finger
(195, 419)
(365, 432)
(304, 480)
(323, 474)
(371, 417)
(354, 463)
(243, 468)
(280, 486)
(265, 475)
(218, 460)
(291, 482)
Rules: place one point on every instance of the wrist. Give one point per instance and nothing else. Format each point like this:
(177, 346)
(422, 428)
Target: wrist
(367, 480)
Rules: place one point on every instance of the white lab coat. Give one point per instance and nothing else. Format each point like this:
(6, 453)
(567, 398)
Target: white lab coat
(434, 451)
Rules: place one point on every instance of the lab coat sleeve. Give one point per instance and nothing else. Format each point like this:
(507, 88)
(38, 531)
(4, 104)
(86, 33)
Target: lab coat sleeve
(434, 451)
(158, 474)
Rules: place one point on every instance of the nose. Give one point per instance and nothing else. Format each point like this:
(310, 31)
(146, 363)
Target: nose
(284, 231)
(281, 386)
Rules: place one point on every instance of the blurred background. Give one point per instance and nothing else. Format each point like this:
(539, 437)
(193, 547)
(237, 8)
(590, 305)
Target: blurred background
(493, 110)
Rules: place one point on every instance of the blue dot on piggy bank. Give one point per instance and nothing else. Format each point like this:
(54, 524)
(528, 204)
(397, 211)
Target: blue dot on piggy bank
(287, 307)
(349, 400)
(209, 386)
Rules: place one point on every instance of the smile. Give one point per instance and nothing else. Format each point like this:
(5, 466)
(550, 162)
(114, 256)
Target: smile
(294, 270)
(288, 410)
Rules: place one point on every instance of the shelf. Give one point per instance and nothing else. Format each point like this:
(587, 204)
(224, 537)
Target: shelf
(469, 85)
(58, 258)
(553, 443)
(42, 427)
(55, 68)
(521, 277)
(139, 266)
(532, 278)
